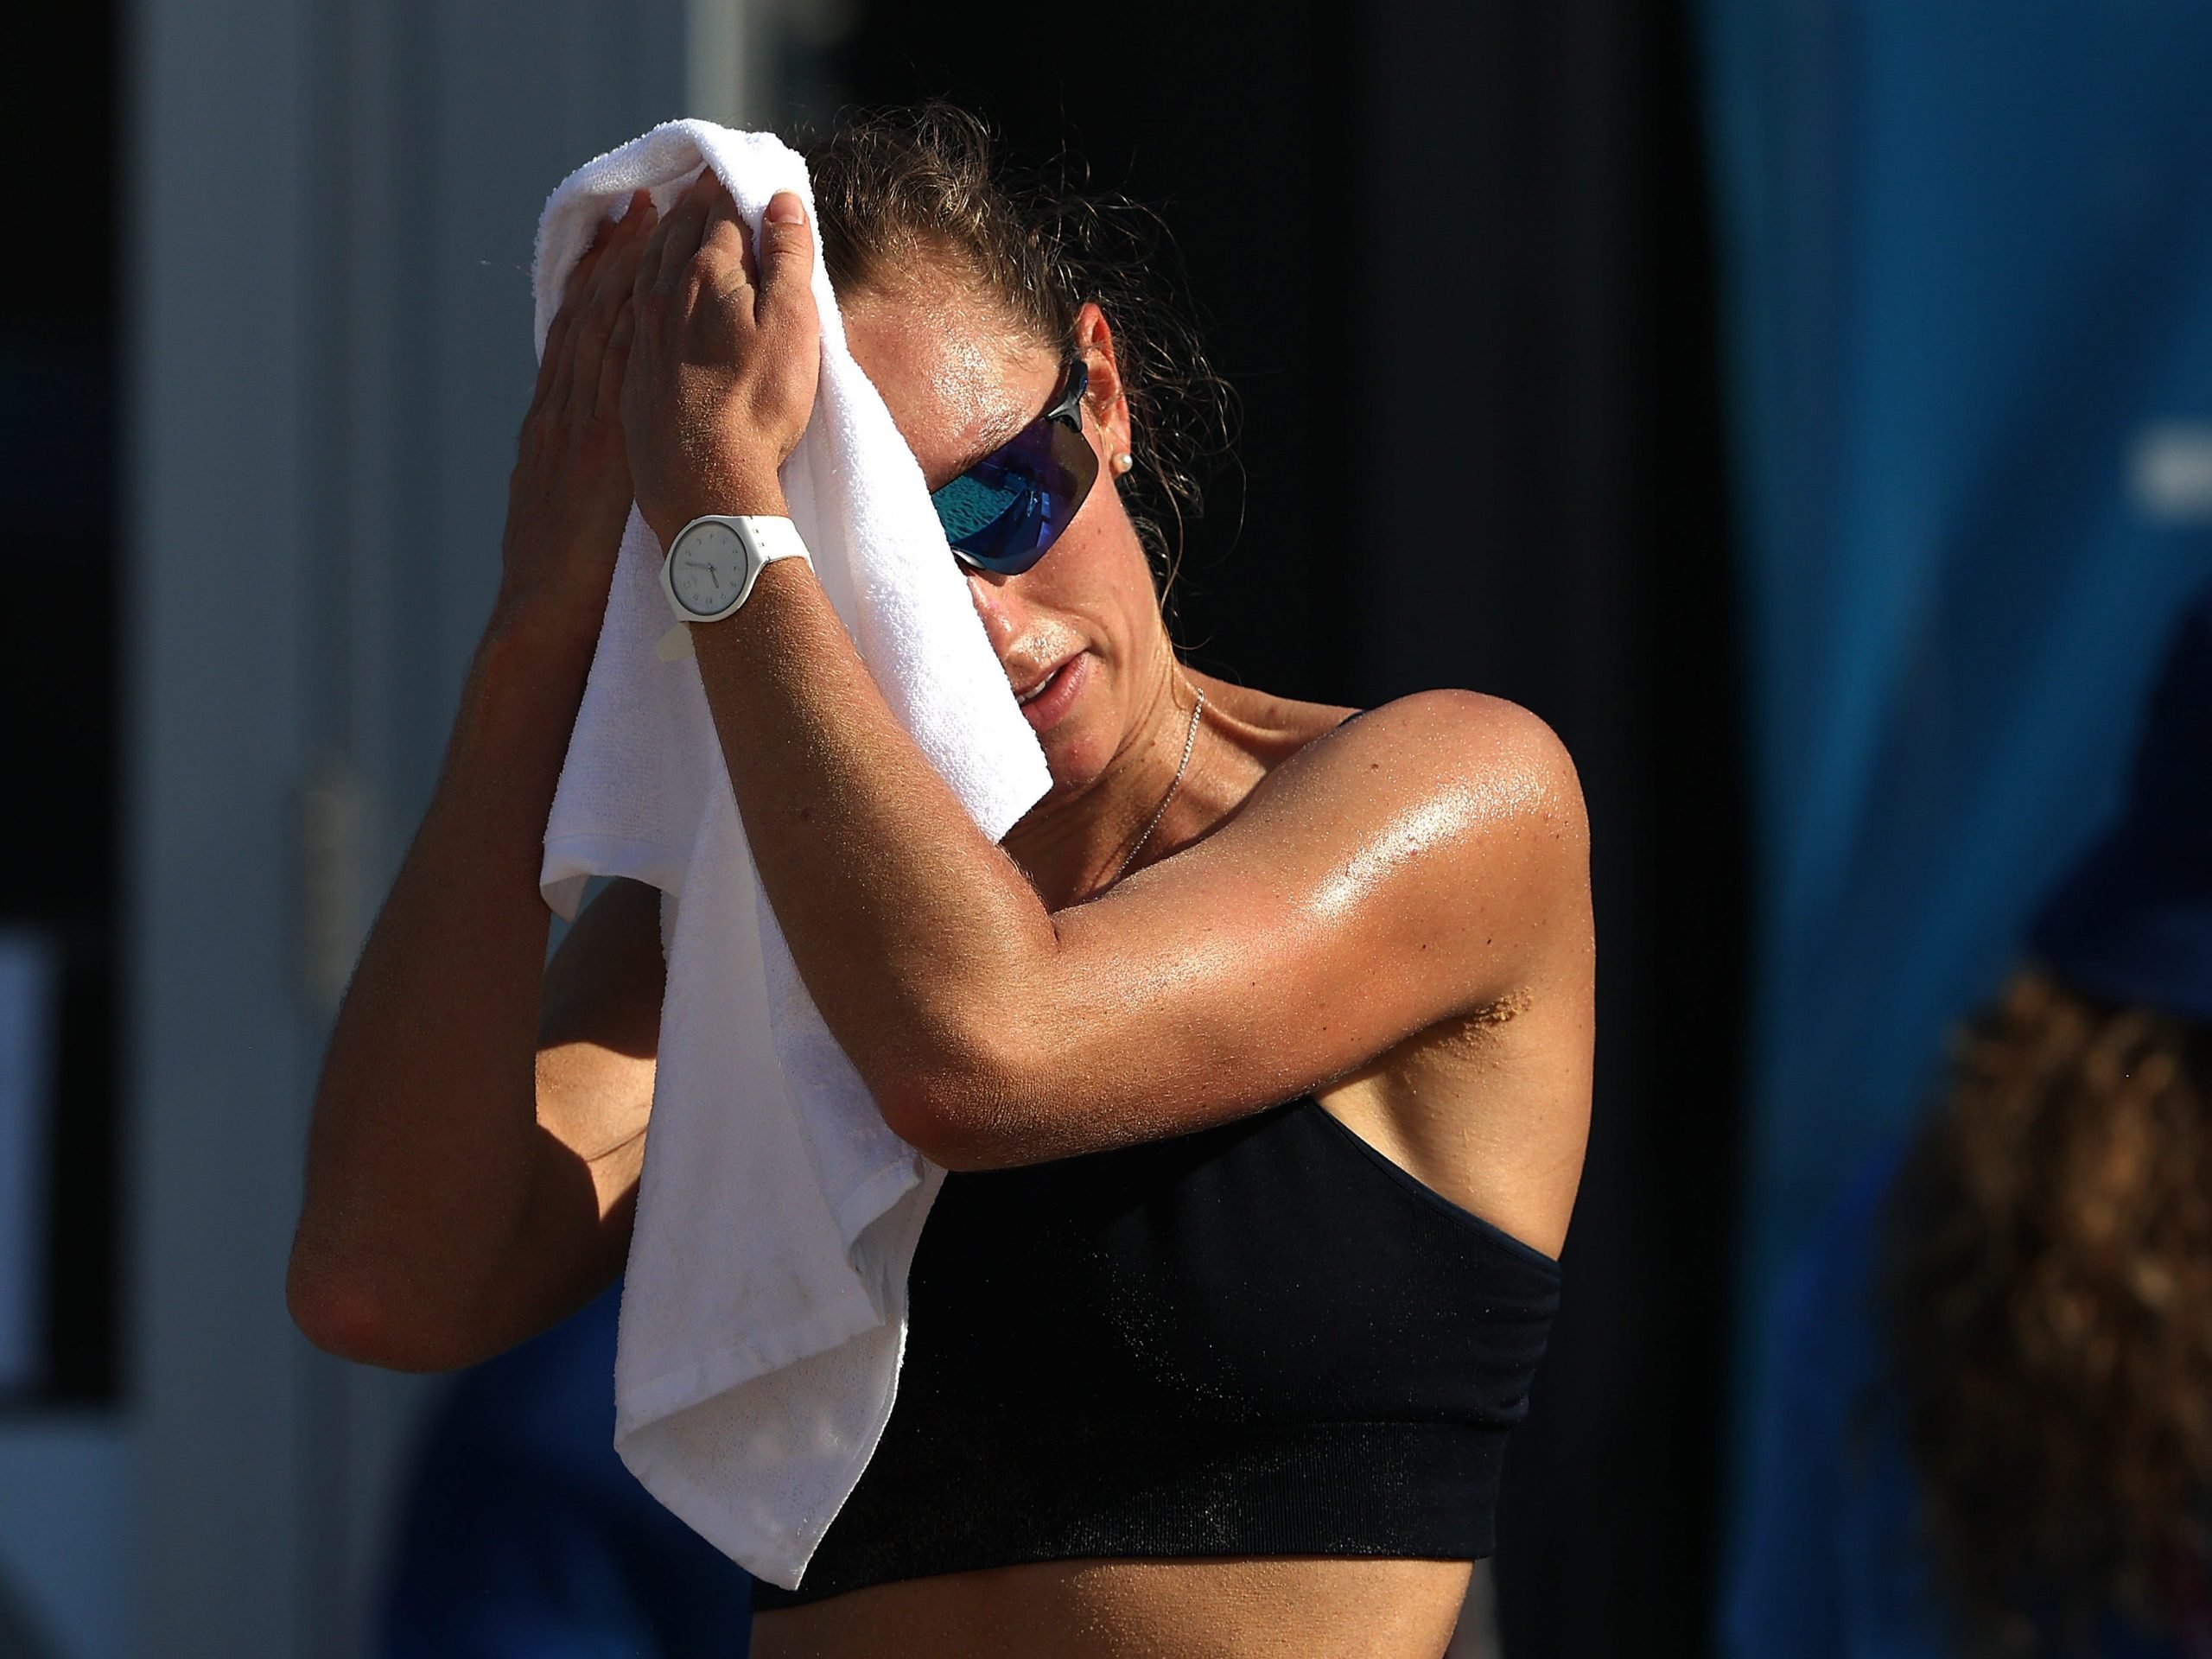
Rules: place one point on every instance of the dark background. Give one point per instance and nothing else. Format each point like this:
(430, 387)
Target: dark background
(1455, 260)
(59, 684)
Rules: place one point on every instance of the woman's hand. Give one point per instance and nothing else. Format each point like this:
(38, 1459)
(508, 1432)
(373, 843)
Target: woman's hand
(570, 488)
(727, 349)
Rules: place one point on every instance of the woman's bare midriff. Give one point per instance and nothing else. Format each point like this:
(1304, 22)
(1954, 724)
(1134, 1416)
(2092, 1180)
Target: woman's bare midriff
(1278, 1607)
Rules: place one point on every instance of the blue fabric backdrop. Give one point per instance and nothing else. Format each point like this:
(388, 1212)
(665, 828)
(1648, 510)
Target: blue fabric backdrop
(1967, 259)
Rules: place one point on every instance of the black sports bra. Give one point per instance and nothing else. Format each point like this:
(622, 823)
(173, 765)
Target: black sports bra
(1264, 1338)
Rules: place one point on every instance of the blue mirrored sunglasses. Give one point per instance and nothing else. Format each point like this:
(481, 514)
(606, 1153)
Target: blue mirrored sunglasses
(1004, 513)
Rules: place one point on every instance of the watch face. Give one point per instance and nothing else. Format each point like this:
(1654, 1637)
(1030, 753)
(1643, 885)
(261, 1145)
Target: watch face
(708, 568)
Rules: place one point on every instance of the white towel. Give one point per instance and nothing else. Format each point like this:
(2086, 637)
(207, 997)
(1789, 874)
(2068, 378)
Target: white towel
(764, 1315)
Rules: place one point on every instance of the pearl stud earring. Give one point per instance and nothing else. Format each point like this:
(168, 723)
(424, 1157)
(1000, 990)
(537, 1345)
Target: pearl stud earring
(1123, 461)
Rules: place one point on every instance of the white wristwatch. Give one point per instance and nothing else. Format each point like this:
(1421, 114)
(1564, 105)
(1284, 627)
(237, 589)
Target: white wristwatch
(714, 562)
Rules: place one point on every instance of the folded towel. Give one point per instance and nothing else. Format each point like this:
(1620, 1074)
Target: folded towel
(764, 1313)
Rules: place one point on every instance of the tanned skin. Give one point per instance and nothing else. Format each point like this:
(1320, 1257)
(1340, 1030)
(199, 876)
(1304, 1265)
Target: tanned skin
(1395, 915)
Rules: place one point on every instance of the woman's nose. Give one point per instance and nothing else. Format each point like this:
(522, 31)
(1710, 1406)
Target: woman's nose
(999, 607)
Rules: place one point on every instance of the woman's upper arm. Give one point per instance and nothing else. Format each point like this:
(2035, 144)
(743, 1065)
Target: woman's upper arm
(603, 984)
(597, 1033)
(1426, 860)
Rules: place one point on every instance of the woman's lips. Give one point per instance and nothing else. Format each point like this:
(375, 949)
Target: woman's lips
(1057, 693)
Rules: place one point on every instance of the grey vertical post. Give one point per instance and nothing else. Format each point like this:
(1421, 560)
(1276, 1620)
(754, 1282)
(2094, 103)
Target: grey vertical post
(217, 234)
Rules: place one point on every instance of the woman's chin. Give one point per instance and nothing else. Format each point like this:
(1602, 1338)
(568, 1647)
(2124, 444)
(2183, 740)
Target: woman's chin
(1072, 761)
(1075, 751)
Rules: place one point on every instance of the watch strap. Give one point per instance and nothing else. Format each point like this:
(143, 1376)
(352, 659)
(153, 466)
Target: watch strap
(770, 538)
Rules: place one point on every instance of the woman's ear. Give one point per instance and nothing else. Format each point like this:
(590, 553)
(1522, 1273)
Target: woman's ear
(1108, 405)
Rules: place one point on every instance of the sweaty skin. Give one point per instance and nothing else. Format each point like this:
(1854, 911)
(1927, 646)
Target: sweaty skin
(1395, 914)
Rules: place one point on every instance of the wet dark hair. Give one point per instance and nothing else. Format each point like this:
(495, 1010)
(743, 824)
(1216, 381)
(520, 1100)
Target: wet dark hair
(896, 186)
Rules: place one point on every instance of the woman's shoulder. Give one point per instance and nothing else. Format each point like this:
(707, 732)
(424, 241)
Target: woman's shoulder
(1468, 732)
(1488, 762)
(1430, 813)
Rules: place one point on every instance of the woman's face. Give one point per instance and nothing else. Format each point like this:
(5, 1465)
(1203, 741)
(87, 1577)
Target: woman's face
(1079, 633)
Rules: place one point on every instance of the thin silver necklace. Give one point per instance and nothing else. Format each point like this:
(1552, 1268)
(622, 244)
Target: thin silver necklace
(1190, 740)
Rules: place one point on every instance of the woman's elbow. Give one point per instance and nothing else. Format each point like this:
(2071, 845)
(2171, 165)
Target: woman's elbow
(346, 1314)
(960, 1116)
(337, 1318)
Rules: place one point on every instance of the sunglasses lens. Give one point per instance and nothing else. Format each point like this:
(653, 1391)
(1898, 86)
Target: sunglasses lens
(1007, 509)
(980, 508)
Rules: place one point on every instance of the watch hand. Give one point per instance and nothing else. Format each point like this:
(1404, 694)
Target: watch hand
(712, 575)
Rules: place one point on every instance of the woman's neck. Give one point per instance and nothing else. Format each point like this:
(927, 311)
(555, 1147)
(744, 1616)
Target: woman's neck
(1071, 844)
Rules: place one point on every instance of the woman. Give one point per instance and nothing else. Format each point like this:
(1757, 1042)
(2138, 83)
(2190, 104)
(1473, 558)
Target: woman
(1228, 1046)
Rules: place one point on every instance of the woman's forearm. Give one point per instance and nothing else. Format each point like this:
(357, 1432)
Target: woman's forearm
(918, 938)
(421, 1152)
(903, 918)
(438, 1223)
